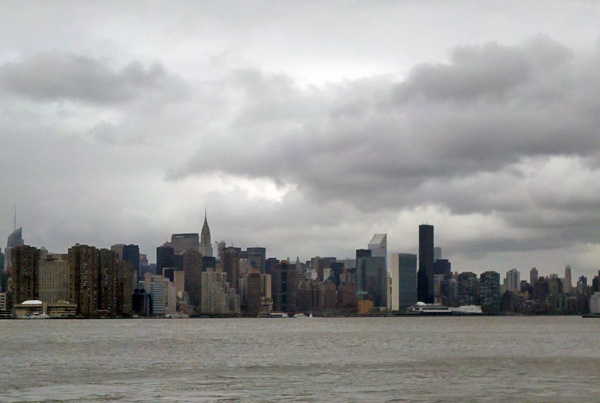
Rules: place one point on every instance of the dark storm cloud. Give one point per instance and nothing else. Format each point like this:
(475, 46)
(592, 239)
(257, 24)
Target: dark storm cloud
(379, 143)
(54, 76)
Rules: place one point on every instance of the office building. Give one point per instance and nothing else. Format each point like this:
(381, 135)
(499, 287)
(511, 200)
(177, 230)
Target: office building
(192, 268)
(182, 242)
(372, 279)
(100, 283)
(284, 287)
(568, 284)
(404, 280)
(257, 257)
(165, 257)
(425, 280)
(513, 281)
(231, 266)
(533, 276)
(489, 292)
(24, 271)
(53, 277)
(14, 239)
(215, 293)
(378, 245)
(206, 248)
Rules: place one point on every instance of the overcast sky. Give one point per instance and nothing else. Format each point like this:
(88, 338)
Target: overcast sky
(307, 126)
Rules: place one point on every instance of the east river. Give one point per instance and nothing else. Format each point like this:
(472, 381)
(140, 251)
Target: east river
(433, 359)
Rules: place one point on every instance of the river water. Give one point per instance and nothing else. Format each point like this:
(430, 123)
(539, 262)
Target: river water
(428, 359)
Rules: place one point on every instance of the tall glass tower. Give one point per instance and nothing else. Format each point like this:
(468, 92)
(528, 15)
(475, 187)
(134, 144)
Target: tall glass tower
(425, 291)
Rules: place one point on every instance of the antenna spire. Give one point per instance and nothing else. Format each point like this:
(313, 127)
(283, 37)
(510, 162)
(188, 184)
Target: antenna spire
(15, 223)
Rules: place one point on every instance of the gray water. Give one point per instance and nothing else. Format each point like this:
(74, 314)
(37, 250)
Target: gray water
(434, 359)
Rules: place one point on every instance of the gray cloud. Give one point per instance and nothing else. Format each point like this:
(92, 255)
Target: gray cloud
(347, 141)
(52, 76)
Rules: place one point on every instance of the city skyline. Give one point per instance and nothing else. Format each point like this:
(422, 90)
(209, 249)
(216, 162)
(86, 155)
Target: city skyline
(306, 128)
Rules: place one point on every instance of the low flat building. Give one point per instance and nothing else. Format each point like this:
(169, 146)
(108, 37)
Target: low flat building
(61, 310)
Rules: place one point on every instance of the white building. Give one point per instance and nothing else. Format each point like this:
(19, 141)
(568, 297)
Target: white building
(513, 281)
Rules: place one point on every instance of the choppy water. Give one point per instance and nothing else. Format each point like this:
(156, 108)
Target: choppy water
(537, 359)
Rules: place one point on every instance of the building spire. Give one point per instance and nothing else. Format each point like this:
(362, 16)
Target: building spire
(15, 223)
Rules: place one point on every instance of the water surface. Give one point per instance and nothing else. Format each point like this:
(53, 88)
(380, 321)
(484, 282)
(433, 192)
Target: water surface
(436, 359)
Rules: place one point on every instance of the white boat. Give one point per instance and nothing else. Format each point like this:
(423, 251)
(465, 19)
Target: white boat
(37, 315)
(278, 315)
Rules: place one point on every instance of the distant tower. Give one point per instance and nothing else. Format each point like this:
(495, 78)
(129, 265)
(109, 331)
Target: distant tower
(568, 285)
(14, 239)
(533, 276)
(205, 244)
(513, 280)
(378, 245)
(425, 290)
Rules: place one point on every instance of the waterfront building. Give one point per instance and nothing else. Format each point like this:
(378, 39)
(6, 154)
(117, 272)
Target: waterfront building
(489, 292)
(158, 295)
(215, 292)
(100, 284)
(425, 280)
(404, 280)
(284, 287)
(53, 277)
(372, 279)
(595, 304)
(467, 289)
(347, 299)
(254, 294)
(192, 270)
(206, 248)
(24, 271)
(309, 295)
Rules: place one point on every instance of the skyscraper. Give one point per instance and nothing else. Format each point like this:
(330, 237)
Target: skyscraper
(24, 268)
(513, 281)
(372, 279)
(378, 245)
(568, 285)
(489, 291)
(257, 257)
(231, 266)
(425, 284)
(183, 242)
(14, 239)
(533, 276)
(205, 244)
(404, 280)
